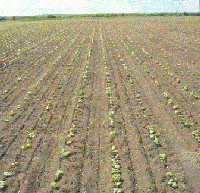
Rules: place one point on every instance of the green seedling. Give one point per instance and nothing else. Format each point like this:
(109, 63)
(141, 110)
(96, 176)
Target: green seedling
(185, 88)
(152, 136)
(15, 164)
(173, 182)
(108, 90)
(165, 95)
(170, 101)
(117, 190)
(131, 81)
(111, 114)
(32, 135)
(175, 107)
(156, 141)
(72, 129)
(55, 184)
(64, 153)
(4, 92)
(112, 122)
(115, 171)
(151, 131)
(145, 116)
(192, 93)
(113, 147)
(12, 113)
(187, 123)
(2, 185)
(138, 96)
(58, 175)
(151, 76)
(162, 157)
(157, 83)
(26, 145)
(178, 111)
(71, 135)
(116, 177)
(7, 174)
(48, 108)
(69, 142)
(18, 106)
(117, 184)
(110, 101)
(169, 174)
(108, 80)
(112, 134)
(195, 133)
(142, 108)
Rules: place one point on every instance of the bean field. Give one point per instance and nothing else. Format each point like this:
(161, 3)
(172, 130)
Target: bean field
(100, 105)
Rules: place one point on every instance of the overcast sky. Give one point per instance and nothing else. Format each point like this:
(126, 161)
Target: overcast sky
(39, 7)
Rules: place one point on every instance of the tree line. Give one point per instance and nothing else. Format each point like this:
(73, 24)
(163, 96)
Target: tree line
(54, 16)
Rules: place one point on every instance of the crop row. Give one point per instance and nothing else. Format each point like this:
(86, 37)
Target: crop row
(172, 181)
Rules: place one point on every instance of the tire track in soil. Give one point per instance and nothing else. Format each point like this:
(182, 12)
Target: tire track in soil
(138, 174)
(183, 144)
(60, 97)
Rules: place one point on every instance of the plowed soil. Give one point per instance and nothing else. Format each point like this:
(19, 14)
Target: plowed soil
(54, 80)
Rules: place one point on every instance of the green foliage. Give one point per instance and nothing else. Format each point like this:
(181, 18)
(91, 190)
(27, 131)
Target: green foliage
(13, 18)
(51, 16)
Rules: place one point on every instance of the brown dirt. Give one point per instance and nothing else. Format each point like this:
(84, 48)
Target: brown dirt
(52, 107)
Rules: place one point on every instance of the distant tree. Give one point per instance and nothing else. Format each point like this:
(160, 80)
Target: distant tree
(185, 14)
(51, 16)
(2, 18)
(122, 14)
(13, 18)
(161, 14)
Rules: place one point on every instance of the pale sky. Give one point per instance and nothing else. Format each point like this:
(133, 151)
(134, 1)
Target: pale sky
(39, 7)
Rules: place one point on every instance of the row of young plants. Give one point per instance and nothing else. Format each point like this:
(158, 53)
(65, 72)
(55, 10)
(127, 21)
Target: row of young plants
(31, 44)
(38, 84)
(27, 73)
(26, 144)
(174, 106)
(65, 151)
(116, 165)
(172, 181)
(168, 70)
